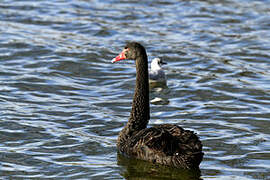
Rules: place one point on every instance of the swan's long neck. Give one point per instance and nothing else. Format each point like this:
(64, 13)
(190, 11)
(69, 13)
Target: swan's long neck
(140, 113)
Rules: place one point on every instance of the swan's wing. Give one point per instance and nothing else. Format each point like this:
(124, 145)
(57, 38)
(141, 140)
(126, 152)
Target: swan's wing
(168, 144)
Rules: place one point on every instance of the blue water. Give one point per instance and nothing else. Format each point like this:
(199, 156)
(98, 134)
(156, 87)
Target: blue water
(62, 102)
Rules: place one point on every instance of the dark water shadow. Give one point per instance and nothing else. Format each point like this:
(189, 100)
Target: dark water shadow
(135, 169)
(157, 84)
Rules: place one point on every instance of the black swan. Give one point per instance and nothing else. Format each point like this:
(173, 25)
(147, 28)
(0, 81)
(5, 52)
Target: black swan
(165, 144)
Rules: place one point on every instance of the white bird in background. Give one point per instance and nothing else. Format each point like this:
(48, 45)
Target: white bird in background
(156, 73)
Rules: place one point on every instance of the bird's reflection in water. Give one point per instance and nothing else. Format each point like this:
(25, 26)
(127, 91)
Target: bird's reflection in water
(159, 91)
(134, 169)
(157, 84)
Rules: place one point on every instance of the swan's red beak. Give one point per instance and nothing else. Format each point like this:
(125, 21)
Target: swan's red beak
(120, 57)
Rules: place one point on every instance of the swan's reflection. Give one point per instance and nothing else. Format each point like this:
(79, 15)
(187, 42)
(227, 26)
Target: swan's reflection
(143, 170)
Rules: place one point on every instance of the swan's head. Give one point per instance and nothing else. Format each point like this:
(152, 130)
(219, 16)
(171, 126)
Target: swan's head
(131, 51)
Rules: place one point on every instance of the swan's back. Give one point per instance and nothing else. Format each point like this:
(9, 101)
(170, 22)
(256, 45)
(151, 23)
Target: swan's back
(166, 144)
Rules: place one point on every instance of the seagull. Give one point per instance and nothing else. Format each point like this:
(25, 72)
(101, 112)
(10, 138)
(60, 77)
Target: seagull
(156, 73)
